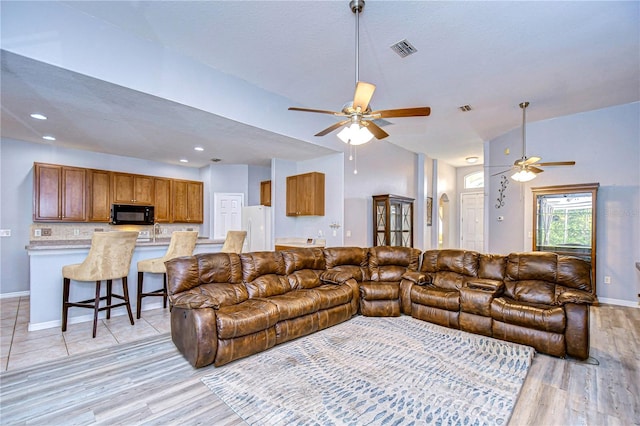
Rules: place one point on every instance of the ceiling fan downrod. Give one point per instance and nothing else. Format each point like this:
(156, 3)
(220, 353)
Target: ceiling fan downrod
(356, 7)
(524, 106)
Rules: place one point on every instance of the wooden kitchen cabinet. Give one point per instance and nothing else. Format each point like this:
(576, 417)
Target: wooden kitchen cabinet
(162, 199)
(305, 194)
(98, 196)
(59, 193)
(132, 189)
(265, 193)
(186, 200)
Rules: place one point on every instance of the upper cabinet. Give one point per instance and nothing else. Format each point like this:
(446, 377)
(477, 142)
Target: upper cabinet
(132, 189)
(98, 195)
(59, 193)
(265, 193)
(305, 194)
(186, 197)
(75, 194)
(162, 199)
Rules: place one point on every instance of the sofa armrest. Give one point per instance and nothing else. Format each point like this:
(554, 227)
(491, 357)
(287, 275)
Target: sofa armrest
(416, 277)
(193, 299)
(575, 296)
(492, 286)
(335, 277)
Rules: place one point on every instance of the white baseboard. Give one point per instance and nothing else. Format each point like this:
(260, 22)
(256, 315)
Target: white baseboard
(14, 294)
(619, 302)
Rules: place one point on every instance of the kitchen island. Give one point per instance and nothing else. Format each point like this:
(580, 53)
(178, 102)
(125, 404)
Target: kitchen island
(46, 259)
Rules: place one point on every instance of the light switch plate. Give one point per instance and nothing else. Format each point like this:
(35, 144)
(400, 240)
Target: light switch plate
(5, 232)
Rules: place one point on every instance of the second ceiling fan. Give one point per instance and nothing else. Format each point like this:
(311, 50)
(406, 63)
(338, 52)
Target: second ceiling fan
(358, 116)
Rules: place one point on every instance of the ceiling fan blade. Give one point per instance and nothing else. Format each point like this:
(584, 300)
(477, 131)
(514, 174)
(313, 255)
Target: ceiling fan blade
(375, 129)
(362, 96)
(558, 163)
(321, 111)
(402, 112)
(531, 160)
(332, 128)
(534, 169)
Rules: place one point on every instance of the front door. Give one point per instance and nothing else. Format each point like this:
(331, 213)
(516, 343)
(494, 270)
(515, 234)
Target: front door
(472, 221)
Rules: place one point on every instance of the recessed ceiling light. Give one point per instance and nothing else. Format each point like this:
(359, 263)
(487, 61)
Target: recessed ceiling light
(49, 138)
(38, 116)
(198, 148)
(471, 160)
(184, 160)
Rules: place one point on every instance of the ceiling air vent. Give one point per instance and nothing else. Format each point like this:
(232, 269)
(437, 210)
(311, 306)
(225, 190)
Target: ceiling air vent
(465, 108)
(403, 48)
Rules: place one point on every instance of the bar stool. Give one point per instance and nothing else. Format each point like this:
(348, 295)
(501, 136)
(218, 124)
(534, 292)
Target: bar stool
(182, 244)
(233, 242)
(109, 259)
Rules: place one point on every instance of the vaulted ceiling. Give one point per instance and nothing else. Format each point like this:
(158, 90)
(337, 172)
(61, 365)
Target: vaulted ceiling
(563, 57)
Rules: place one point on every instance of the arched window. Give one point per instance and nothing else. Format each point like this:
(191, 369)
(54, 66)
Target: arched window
(474, 180)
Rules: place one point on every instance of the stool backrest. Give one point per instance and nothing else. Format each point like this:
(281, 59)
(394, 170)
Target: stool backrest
(182, 244)
(233, 242)
(109, 256)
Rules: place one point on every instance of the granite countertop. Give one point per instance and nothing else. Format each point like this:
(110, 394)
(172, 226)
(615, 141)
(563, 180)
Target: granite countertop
(81, 244)
(301, 242)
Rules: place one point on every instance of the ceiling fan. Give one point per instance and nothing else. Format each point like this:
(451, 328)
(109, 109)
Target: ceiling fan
(526, 168)
(358, 116)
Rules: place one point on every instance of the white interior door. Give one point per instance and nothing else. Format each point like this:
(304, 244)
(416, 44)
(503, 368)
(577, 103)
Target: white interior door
(472, 221)
(227, 213)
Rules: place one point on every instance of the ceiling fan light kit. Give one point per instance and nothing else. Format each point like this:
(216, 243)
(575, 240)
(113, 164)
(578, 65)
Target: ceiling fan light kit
(358, 118)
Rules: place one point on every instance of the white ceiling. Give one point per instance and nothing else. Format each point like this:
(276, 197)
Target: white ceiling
(563, 57)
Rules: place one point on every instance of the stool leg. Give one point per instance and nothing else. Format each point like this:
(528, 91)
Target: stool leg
(139, 298)
(65, 302)
(164, 286)
(109, 292)
(96, 308)
(125, 293)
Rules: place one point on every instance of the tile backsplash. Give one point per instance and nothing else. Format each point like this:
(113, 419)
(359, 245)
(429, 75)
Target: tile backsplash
(84, 231)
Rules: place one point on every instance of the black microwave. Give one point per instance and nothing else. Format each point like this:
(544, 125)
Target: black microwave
(129, 214)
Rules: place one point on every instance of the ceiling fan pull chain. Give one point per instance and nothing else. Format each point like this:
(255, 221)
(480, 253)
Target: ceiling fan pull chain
(355, 160)
(350, 151)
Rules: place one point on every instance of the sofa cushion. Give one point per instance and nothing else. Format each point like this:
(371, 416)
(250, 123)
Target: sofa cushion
(574, 273)
(448, 280)
(296, 303)
(541, 266)
(219, 268)
(459, 261)
(352, 260)
(250, 316)
(390, 263)
(263, 274)
(330, 295)
(379, 290)
(437, 297)
(306, 278)
(225, 294)
(303, 258)
(530, 315)
(492, 266)
(531, 291)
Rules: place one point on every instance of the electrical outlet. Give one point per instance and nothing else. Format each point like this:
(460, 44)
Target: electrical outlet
(348, 234)
(46, 232)
(5, 232)
(607, 279)
(76, 232)
(37, 232)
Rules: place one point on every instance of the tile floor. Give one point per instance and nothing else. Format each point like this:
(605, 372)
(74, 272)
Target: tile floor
(21, 348)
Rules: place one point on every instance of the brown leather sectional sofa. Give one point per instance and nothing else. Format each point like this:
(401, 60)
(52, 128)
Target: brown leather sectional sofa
(228, 306)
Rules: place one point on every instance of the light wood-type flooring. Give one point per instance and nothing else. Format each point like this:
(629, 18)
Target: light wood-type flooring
(156, 385)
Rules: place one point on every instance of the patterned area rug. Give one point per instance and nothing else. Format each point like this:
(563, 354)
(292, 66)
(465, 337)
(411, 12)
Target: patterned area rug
(377, 371)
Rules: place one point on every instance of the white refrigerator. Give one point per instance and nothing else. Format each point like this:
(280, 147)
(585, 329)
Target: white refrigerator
(256, 220)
